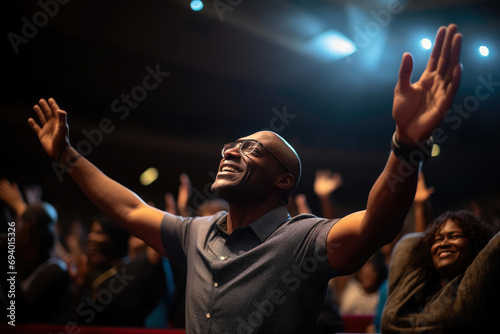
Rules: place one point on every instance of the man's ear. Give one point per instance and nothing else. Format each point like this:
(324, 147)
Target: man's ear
(284, 181)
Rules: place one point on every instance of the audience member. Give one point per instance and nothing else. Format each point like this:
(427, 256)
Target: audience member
(361, 292)
(42, 293)
(445, 280)
(329, 319)
(120, 290)
(139, 251)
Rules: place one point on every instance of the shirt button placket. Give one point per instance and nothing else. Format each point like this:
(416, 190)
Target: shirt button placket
(222, 258)
(215, 284)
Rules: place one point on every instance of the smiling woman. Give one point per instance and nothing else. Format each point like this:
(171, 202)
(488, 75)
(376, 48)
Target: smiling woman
(451, 253)
(452, 241)
(444, 280)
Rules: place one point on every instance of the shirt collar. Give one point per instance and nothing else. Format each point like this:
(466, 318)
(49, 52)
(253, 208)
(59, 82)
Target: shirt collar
(264, 226)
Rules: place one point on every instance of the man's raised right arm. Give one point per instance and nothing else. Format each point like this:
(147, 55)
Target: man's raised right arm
(119, 203)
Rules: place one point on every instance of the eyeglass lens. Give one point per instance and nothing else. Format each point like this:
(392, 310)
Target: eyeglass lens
(246, 147)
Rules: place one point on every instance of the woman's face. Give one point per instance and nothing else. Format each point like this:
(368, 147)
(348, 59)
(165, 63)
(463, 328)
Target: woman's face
(98, 241)
(450, 251)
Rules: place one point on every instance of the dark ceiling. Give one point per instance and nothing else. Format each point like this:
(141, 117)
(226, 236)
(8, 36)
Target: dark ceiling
(234, 68)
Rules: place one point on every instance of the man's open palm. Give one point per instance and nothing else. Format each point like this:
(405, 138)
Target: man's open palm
(419, 108)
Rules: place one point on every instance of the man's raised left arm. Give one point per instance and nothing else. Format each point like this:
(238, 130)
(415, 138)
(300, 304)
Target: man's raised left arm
(418, 110)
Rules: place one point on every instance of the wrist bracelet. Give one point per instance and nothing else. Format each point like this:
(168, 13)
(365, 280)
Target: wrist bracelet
(412, 155)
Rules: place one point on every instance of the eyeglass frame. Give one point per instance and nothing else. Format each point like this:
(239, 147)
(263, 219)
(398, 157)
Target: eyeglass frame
(238, 144)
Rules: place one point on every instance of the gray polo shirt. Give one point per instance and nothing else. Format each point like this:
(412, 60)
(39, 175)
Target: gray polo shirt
(268, 277)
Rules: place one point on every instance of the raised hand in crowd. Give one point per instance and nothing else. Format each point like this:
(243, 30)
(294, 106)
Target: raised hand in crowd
(11, 195)
(421, 204)
(325, 184)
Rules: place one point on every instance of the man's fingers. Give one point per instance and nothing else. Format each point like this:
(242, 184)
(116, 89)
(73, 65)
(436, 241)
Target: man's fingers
(39, 113)
(444, 58)
(405, 72)
(436, 49)
(62, 116)
(53, 104)
(47, 110)
(36, 128)
(456, 46)
(452, 87)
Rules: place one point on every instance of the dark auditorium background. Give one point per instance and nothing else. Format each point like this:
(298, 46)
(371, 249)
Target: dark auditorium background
(234, 68)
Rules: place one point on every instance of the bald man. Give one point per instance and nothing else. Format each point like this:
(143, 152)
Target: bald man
(255, 269)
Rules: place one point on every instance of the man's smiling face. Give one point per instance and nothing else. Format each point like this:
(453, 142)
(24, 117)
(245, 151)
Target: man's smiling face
(243, 174)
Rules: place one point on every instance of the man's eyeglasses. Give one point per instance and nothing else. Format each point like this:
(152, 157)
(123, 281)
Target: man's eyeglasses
(247, 147)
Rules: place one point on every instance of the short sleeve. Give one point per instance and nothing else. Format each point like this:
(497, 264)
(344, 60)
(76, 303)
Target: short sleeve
(178, 232)
(313, 248)
(175, 236)
(323, 249)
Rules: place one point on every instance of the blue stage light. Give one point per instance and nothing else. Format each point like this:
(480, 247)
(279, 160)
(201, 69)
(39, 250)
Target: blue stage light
(484, 51)
(426, 43)
(330, 45)
(196, 5)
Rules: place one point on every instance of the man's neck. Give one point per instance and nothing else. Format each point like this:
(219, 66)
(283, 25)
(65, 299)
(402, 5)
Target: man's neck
(241, 215)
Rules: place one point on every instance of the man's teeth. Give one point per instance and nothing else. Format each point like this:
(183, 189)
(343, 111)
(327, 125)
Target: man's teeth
(229, 169)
